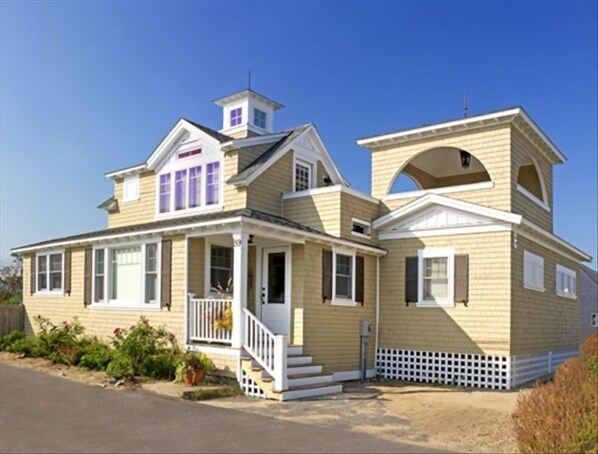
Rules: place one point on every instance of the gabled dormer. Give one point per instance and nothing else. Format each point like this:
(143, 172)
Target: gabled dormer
(247, 113)
(500, 160)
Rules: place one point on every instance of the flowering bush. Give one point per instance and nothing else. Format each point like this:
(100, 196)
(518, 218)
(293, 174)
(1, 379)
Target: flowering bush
(139, 347)
(561, 416)
(59, 343)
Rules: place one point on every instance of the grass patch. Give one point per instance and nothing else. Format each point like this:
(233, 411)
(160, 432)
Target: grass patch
(212, 392)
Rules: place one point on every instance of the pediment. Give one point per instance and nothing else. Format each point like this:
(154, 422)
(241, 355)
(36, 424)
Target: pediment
(437, 217)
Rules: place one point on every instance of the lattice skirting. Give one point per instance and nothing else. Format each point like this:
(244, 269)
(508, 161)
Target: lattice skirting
(249, 387)
(464, 369)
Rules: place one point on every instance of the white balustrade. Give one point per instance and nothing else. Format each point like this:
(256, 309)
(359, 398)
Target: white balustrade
(201, 317)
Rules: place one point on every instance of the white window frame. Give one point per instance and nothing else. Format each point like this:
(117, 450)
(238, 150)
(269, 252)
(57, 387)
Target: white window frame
(311, 166)
(108, 303)
(535, 261)
(367, 226)
(255, 110)
(203, 207)
(208, 269)
(131, 188)
(563, 270)
(340, 301)
(46, 292)
(449, 254)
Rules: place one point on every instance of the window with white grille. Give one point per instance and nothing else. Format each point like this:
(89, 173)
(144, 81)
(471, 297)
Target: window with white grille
(302, 176)
(533, 271)
(566, 282)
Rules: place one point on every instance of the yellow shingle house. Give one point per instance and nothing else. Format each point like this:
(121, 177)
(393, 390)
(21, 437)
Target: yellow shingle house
(461, 279)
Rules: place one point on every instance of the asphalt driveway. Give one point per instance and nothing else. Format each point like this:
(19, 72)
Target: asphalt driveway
(42, 413)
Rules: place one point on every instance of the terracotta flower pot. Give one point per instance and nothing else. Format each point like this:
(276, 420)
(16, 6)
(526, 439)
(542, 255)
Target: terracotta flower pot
(193, 377)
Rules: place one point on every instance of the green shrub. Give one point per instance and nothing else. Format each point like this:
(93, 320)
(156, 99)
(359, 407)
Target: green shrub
(14, 299)
(561, 416)
(143, 350)
(59, 343)
(27, 346)
(7, 340)
(94, 354)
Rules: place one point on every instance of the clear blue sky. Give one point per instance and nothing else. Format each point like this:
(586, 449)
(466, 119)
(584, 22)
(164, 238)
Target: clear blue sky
(90, 87)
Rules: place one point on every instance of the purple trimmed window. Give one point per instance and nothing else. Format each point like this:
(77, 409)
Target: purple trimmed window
(236, 116)
(194, 186)
(180, 189)
(188, 154)
(213, 183)
(165, 193)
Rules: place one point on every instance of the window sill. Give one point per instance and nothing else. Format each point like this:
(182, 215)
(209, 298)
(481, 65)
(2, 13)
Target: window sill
(566, 295)
(535, 289)
(128, 202)
(119, 307)
(343, 302)
(49, 294)
(361, 235)
(189, 211)
(435, 304)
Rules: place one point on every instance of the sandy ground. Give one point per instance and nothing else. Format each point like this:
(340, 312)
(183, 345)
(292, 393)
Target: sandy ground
(442, 417)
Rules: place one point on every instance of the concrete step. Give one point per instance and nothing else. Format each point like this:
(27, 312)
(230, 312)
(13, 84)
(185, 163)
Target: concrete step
(303, 392)
(306, 380)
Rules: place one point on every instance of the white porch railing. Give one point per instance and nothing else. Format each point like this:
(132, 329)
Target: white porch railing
(201, 317)
(267, 348)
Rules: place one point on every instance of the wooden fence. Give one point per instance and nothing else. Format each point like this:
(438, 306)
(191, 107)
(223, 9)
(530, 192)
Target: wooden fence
(11, 318)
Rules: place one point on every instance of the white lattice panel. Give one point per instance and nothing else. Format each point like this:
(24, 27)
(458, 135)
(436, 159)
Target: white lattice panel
(249, 387)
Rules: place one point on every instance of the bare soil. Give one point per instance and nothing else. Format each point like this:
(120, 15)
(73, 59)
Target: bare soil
(455, 419)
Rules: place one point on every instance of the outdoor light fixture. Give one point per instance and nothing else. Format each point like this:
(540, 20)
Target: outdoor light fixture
(465, 158)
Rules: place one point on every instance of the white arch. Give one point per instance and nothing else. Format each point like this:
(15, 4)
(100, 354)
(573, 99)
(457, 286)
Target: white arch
(540, 177)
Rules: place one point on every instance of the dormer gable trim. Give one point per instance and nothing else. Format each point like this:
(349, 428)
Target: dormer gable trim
(248, 93)
(429, 200)
(517, 116)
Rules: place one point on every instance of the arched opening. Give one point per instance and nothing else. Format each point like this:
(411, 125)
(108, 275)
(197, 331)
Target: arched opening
(440, 167)
(530, 179)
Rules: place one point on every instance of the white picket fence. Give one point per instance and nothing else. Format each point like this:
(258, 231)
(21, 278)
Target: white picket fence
(201, 317)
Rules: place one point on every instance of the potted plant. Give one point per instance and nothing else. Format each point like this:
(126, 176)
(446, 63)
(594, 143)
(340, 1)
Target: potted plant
(193, 368)
(225, 292)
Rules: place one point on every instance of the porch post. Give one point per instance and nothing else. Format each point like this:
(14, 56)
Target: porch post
(240, 261)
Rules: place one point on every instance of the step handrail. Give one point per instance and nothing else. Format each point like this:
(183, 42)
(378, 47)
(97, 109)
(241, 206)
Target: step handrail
(267, 348)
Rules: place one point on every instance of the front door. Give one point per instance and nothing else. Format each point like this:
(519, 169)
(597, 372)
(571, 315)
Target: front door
(275, 291)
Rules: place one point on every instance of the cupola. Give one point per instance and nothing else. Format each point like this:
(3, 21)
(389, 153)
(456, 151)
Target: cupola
(247, 113)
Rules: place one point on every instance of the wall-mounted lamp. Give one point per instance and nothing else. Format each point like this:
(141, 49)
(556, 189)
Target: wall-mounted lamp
(327, 180)
(465, 159)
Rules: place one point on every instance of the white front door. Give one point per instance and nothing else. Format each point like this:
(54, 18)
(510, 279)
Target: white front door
(276, 289)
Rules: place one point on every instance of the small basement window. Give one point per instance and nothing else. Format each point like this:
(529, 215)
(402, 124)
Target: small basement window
(361, 228)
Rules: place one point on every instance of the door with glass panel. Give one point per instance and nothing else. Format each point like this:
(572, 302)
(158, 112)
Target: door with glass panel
(275, 289)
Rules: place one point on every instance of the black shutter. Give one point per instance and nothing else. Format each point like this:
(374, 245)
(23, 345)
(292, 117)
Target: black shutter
(359, 279)
(461, 278)
(326, 275)
(166, 278)
(67, 272)
(32, 274)
(411, 272)
(87, 276)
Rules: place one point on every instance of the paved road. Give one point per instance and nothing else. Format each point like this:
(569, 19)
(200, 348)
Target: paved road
(43, 413)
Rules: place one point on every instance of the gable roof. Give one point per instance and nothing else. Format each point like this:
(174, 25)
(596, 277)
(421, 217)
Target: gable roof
(190, 222)
(169, 137)
(515, 115)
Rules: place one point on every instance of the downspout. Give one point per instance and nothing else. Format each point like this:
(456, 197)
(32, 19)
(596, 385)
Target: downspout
(377, 314)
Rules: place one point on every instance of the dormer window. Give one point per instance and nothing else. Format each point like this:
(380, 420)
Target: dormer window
(188, 154)
(259, 118)
(236, 115)
(303, 175)
(193, 187)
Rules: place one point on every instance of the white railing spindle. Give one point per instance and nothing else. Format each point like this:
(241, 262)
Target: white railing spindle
(202, 314)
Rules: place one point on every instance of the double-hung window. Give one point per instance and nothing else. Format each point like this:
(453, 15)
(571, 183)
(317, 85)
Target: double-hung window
(50, 272)
(436, 277)
(221, 268)
(533, 271)
(126, 275)
(191, 187)
(343, 277)
(566, 282)
(303, 176)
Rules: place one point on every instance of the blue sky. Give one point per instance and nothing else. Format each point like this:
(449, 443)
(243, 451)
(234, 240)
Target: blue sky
(90, 87)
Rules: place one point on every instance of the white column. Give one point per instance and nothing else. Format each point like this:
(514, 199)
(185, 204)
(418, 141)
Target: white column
(240, 261)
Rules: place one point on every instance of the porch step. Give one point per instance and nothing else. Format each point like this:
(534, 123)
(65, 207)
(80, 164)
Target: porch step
(298, 360)
(303, 392)
(310, 379)
(303, 370)
(294, 350)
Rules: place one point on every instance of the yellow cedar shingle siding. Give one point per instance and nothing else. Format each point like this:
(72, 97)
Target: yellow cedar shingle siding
(329, 333)
(490, 145)
(265, 192)
(139, 211)
(233, 198)
(542, 321)
(520, 148)
(482, 327)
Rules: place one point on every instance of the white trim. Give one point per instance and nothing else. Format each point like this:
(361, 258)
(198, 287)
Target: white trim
(343, 301)
(554, 238)
(311, 167)
(208, 264)
(367, 227)
(47, 292)
(377, 338)
(252, 141)
(435, 199)
(443, 190)
(560, 269)
(131, 180)
(494, 227)
(449, 254)
(532, 197)
(329, 190)
(288, 297)
(347, 375)
(536, 261)
(224, 351)
(122, 172)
